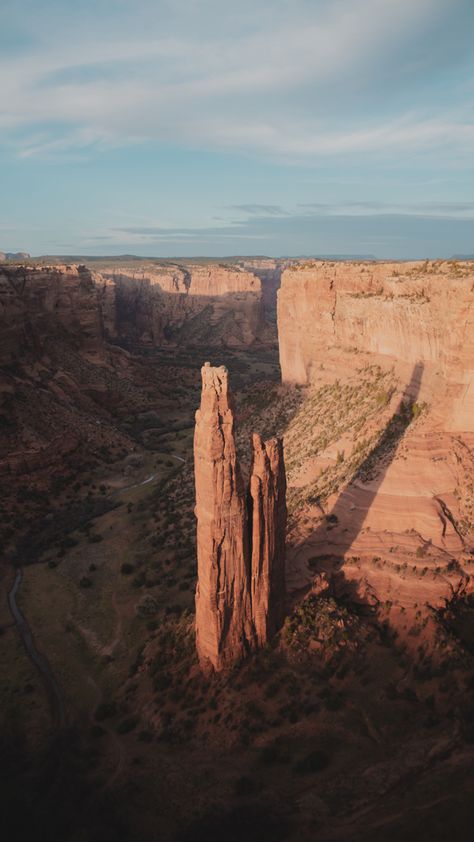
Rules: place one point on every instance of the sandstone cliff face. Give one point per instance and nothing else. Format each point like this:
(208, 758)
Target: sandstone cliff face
(414, 324)
(411, 311)
(36, 302)
(169, 305)
(223, 613)
(211, 305)
(241, 586)
(269, 271)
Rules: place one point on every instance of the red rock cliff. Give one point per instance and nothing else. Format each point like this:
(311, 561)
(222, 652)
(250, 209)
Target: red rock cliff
(415, 323)
(409, 311)
(192, 305)
(37, 301)
(241, 586)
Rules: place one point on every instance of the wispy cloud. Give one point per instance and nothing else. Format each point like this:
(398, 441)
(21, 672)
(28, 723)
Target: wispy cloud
(267, 81)
(258, 210)
(452, 210)
(304, 232)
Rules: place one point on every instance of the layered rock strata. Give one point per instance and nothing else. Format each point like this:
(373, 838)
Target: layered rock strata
(188, 305)
(268, 520)
(163, 306)
(240, 533)
(38, 302)
(413, 312)
(414, 509)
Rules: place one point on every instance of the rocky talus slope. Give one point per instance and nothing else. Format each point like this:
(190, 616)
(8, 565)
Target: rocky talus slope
(241, 584)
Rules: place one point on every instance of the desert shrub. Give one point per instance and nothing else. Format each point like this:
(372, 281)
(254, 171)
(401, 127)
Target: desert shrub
(127, 725)
(67, 542)
(147, 607)
(162, 681)
(97, 731)
(127, 568)
(145, 736)
(139, 580)
(270, 755)
(85, 582)
(105, 711)
(244, 786)
(314, 762)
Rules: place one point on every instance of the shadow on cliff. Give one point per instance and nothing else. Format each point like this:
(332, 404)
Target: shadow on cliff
(148, 314)
(337, 532)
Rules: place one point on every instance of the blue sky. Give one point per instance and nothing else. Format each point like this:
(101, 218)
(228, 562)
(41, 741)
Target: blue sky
(198, 127)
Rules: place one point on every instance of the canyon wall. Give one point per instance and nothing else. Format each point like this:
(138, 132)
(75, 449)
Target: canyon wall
(269, 271)
(204, 305)
(240, 536)
(411, 501)
(36, 302)
(192, 305)
(409, 312)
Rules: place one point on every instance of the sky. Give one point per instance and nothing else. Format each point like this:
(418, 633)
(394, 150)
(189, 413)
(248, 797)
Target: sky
(204, 127)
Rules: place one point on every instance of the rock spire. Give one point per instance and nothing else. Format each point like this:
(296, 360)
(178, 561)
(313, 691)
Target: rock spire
(240, 533)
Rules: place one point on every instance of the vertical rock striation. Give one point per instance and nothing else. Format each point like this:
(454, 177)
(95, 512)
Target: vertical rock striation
(223, 615)
(268, 518)
(240, 533)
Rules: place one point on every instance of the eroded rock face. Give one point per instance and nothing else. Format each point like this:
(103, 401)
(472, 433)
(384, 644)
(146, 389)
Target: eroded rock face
(268, 517)
(240, 536)
(188, 305)
(162, 306)
(413, 509)
(36, 302)
(409, 311)
(224, 630)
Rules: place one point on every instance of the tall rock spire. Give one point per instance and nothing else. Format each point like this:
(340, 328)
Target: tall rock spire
(240, 536)
(224, 630)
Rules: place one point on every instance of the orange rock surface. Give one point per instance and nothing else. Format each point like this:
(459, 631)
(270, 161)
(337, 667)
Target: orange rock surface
(241, 582)
(215, 305)
(415, 320)
(268, 515)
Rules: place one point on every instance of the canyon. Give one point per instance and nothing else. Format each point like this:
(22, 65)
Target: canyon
(161, 305)
(189, 305)
(244, 643)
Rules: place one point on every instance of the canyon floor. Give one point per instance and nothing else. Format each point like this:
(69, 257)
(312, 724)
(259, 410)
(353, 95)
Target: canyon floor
(355, 724)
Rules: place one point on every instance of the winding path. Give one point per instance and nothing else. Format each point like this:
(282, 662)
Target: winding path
(39, 660)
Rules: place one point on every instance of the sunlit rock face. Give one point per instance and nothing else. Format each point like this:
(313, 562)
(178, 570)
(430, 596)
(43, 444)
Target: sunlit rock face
(240, 533)
(415, 322)
(188, 305)
(412, 312)
(268, 520)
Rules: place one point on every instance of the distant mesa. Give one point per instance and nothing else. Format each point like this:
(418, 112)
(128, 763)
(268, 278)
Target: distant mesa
(14, 255)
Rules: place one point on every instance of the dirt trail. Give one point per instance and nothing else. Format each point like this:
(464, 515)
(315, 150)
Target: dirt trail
(40, 661)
